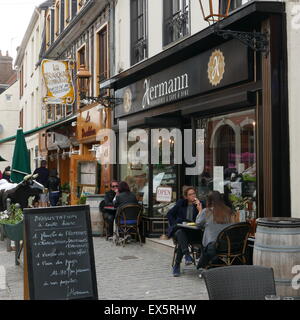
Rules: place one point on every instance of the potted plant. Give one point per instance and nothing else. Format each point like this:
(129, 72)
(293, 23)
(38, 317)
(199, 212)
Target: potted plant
(65, 188)
(12, 221)
(239, 205)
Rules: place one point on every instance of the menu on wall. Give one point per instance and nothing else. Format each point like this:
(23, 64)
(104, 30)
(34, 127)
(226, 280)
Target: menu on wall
(60, 253)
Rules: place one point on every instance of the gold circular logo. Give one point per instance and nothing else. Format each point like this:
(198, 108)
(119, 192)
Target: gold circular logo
(127, 100)
(216, 67)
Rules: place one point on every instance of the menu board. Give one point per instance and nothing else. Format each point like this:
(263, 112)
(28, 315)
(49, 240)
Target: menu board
(60, 253)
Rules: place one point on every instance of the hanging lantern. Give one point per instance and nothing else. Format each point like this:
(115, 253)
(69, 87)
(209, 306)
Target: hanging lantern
(214, 11)
(83, 76)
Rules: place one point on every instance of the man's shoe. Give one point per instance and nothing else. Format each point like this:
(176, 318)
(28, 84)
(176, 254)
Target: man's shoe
(176, 270)
(188, 260)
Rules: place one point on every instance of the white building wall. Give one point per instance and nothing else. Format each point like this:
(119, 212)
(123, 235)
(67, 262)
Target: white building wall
(293, 38)
(9, 119)
(31, 101)
(155, 29)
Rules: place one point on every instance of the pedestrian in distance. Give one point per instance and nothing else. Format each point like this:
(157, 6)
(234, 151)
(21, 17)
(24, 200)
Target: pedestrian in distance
(54, 187)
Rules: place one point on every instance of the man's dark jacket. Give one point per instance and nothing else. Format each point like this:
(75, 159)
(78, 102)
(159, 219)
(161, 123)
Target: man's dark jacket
(43, 175)
(178, 215)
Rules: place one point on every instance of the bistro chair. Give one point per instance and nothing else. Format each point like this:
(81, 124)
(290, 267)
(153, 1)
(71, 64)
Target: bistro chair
(239, 283)
(194, 250)
(231, 246)
(127, 223)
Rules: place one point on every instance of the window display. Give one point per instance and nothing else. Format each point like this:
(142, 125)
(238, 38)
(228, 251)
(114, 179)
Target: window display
(230, 152)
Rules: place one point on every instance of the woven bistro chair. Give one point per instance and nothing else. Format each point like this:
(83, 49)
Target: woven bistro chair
(239, 283)
(231, 246)
(127, 223)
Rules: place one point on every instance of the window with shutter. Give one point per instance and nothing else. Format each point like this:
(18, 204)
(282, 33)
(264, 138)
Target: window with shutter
(176, 20)
(103, 55)
(138, 30)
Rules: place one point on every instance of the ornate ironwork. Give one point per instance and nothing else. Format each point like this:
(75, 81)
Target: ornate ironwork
(178, 22)
(139, 49)
(257, 41)
(106, 101)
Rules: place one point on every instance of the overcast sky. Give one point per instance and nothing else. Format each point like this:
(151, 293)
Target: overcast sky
(14, 19)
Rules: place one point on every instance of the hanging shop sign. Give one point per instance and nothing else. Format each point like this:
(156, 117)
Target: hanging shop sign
(88, 125)
(222, 66)
(58, 81)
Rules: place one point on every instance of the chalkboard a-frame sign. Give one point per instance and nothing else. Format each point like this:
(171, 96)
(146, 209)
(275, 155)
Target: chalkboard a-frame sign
(60, 254)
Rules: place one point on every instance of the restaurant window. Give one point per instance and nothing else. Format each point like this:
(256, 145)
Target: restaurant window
(88, 178)
(102, 55)
(176, 22)
(229, 160)
(138, 30)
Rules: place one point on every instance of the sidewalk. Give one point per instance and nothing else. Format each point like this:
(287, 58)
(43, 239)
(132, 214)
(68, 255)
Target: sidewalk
(130, 273)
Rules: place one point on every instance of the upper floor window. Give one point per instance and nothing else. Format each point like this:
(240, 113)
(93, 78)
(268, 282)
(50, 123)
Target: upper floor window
(138, 30)
(57, 13)
(67, 11)
(176, 20)
(102, 55)
(234, 4)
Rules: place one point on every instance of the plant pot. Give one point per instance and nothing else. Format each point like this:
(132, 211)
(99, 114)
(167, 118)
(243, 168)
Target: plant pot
(14, 232)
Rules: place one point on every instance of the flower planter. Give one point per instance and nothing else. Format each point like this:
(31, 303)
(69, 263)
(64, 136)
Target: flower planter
(14, 232)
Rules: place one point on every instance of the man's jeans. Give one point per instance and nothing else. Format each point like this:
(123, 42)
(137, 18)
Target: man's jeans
(53, 198)
(183, 238)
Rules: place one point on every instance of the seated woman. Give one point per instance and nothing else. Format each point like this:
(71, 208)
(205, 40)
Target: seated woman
(216, 217)
(124, 196)
(185, 210)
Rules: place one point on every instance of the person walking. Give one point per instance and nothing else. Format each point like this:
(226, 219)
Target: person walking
(43, 173)
(53, 185)
(6, 174)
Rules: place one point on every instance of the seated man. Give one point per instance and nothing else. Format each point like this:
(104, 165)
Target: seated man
(185, 210)
(109, 215)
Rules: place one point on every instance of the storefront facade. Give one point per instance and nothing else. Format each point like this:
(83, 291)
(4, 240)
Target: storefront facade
(235, 96)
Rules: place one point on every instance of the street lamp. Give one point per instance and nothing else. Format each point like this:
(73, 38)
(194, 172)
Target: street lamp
(83, 76)
(214, 11)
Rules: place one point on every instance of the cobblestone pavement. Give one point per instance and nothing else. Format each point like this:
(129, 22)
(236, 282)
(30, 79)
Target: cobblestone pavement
(147, 277)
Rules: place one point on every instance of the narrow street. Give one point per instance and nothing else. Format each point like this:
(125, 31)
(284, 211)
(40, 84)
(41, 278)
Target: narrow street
(129, 273)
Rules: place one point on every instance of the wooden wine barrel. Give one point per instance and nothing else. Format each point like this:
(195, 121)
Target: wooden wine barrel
(277, 245)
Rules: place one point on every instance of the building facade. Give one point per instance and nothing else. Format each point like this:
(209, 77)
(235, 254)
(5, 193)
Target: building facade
(80, 31)
(188, 78)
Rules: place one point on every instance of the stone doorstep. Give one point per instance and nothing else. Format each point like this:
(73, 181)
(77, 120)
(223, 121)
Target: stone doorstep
(166, 246)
